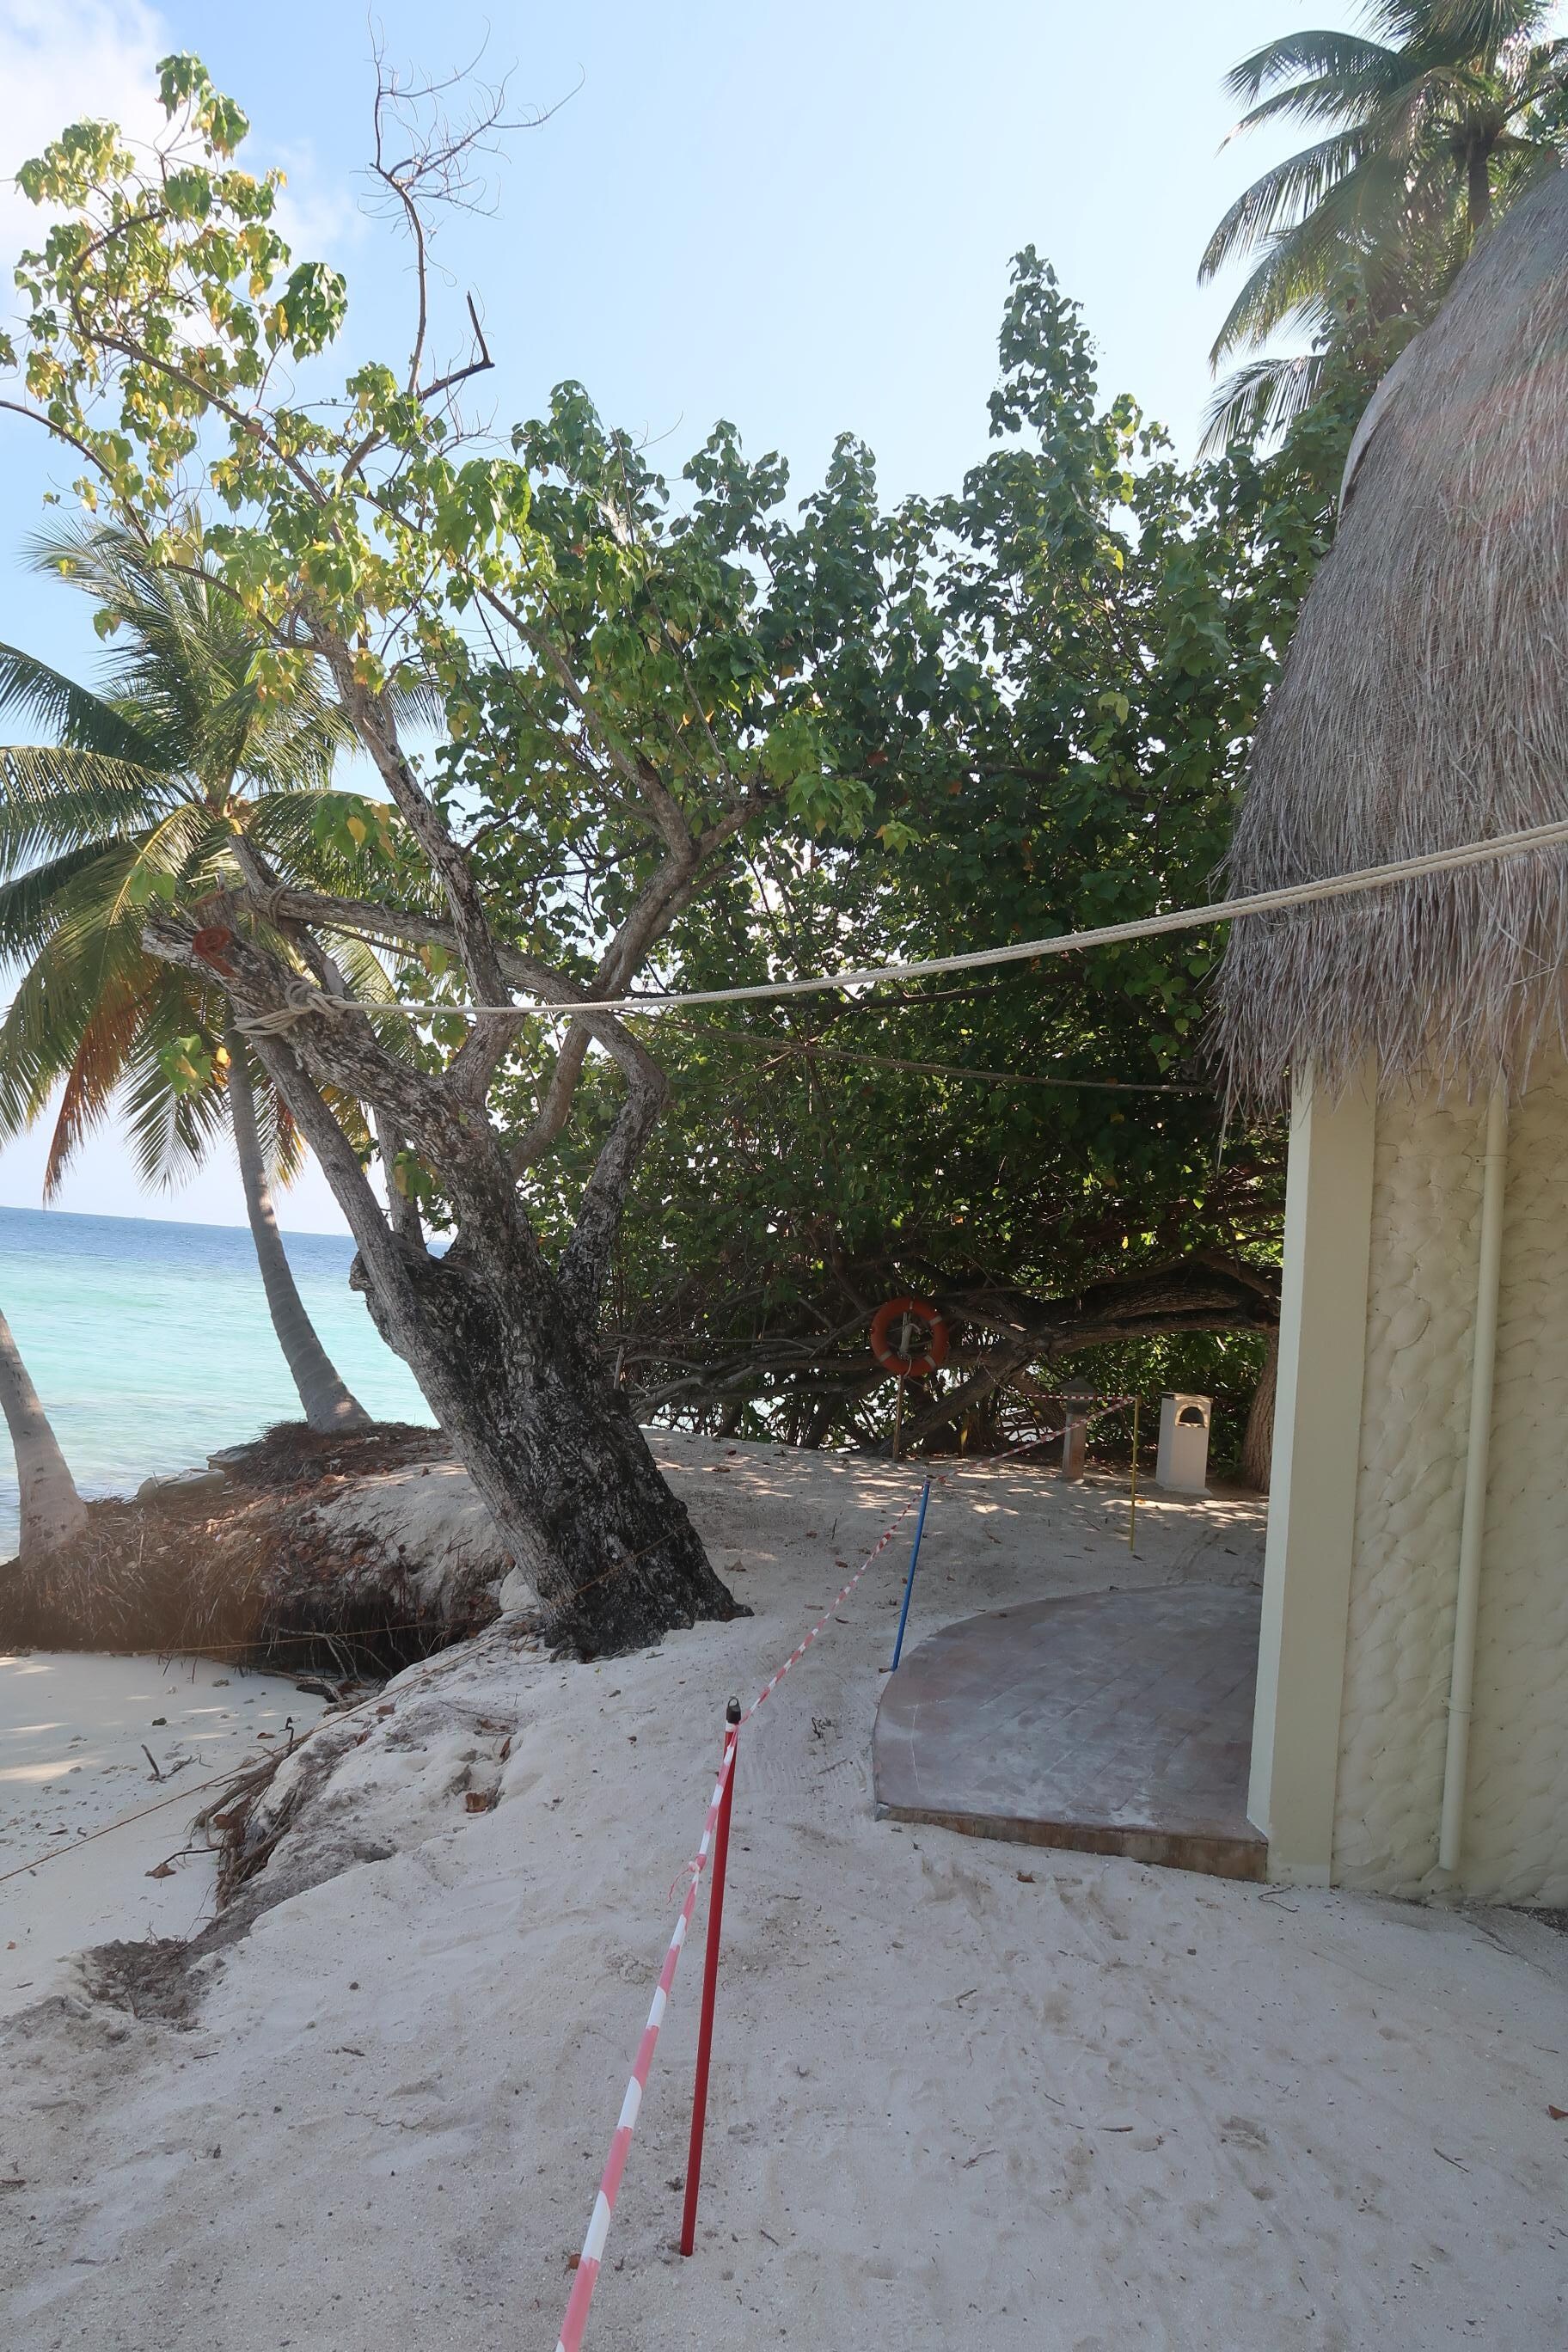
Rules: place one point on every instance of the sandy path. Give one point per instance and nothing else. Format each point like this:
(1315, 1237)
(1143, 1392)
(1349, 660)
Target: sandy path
(72, 1730)
(1094, 2106)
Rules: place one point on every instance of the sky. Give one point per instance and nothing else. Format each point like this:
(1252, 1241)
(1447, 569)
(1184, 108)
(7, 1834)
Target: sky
(795, 216)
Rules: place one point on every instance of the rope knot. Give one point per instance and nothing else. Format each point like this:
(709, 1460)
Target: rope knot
(300, 998)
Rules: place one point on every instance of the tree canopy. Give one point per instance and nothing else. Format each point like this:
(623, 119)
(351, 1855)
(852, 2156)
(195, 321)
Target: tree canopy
(1050, 679)
(689, 730)
(603, 726)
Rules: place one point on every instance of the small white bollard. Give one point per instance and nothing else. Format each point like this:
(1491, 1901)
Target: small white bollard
(1183, 1460)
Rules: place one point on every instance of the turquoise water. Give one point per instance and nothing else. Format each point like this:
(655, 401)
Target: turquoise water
(150, 1343)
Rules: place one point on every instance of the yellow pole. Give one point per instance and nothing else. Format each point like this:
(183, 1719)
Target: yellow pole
(1133, 1494)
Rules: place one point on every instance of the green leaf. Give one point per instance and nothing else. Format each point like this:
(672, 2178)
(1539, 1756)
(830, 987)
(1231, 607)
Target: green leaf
(187, 1064)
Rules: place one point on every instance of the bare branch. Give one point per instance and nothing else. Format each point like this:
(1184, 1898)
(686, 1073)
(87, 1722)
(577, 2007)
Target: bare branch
(474, 367)
(425, 159)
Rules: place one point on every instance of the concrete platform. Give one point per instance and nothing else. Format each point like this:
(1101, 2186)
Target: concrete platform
(1108, 1722)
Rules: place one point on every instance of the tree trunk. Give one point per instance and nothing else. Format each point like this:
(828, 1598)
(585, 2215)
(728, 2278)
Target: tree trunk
(497, 1347)
(1478, 192)
(328, 1404)
(1203, 1292)
(1258, 1441)
(502, 1343)
(53, 1513)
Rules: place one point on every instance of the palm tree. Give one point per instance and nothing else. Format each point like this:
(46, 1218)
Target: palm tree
(1437, 116)
(53, 1513)
(179, 777)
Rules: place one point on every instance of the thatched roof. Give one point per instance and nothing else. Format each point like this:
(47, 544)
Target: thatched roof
(1423, 702)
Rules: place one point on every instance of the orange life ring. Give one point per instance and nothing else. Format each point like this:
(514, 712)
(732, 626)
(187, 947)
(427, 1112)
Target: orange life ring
(913, 1367)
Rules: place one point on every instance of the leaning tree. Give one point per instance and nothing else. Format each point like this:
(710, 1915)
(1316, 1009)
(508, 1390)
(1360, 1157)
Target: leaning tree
(52, 1512)
(604, 699)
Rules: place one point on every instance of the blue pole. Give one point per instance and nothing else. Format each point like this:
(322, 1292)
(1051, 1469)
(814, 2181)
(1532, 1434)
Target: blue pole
(910, 1579)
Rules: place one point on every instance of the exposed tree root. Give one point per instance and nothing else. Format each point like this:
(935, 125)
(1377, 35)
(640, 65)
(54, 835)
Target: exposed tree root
(272, 1570)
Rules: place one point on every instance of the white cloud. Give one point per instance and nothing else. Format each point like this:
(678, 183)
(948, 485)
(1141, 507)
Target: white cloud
(317, 220)
(61, 60)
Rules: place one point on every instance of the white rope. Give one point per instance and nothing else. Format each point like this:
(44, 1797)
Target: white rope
(304, 999)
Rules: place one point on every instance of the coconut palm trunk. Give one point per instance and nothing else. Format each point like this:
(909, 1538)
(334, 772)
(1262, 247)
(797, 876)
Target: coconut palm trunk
(328, 1404)
(52, 1510)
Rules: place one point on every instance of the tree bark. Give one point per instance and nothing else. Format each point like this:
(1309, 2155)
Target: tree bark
(1204, 1292)
(53, 1513)
(1478, 192)
(496, 1343)
(328, 1403)
(1257, 1441)
(501, 1342)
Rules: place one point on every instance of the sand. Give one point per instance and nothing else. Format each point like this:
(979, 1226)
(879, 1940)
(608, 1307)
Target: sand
(962, 2092)
(73, 1731)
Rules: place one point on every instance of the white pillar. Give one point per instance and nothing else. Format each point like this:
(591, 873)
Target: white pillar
(1312, 1506)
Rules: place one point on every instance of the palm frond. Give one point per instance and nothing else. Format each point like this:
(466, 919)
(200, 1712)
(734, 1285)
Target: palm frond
(1428, 91)
(1321, 55)
(1286, 191)
(95, 1073)
(363, 968)
(170, 1133)
(186, 671)
(284, 1150)
(1261, 399)
(29, 911)
(74, 713)
(1460, 28)
(282, 825)
(54, 798)
(1347, 103)
(142, 792)
(1291, 283)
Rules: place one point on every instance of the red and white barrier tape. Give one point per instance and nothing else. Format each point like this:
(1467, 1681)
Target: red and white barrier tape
(593, 2253)
(883, 1541)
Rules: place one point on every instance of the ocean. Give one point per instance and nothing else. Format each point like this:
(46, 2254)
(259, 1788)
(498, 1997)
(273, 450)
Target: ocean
(150, 1344)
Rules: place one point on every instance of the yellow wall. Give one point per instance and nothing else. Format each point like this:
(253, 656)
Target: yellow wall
(1421, 1304)
(1311, 1501)
(1379, 1577)
(1516, 1818)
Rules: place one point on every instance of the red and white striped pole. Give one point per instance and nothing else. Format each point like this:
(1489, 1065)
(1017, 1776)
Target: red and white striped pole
(587, 2270)
(709, 1981)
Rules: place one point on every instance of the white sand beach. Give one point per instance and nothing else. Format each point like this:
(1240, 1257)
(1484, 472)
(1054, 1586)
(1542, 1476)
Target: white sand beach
(79, 1738)
(962, 2092)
